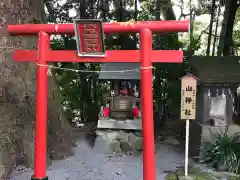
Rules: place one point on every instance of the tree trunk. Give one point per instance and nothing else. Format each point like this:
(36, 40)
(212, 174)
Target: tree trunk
(18, 94)
(226, 42)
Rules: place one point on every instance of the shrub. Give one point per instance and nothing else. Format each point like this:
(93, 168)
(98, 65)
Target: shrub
(223, 151)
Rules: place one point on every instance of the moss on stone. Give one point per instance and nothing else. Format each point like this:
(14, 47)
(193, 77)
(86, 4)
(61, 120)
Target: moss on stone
(194, 174)
(171, 176)
(233, 177)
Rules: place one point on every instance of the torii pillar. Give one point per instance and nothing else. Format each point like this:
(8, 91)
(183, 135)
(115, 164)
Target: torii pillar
(146, 56)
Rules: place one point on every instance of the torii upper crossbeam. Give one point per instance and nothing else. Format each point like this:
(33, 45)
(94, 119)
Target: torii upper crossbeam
(145, 55)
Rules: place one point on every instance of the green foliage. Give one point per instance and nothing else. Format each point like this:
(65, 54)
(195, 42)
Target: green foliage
(78, 89)
(223, 151)
(82, 93)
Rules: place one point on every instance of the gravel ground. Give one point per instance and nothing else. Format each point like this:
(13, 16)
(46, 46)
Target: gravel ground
(89, 164)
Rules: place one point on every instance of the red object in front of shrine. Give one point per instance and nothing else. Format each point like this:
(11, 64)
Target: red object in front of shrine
(106, 112)
(136, 112)
(145, 55)
(123, 92)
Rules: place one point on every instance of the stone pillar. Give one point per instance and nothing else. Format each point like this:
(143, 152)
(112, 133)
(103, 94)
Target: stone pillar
(116, 87)
(229, 106)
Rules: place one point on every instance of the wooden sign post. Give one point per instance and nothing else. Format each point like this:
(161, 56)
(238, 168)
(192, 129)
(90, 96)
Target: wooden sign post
(188, 107)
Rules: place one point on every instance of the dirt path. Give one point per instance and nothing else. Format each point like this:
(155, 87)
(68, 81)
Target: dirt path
(89, 164)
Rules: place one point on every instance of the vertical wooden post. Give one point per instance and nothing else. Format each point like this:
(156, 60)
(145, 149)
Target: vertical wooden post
(149, 169)
(188, 108)
(41, 108)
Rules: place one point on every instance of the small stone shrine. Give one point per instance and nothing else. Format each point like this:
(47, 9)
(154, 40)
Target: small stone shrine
(120, 124)
(217, 100)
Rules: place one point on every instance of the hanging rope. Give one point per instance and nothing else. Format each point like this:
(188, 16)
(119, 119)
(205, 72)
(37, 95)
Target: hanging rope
(89, 71)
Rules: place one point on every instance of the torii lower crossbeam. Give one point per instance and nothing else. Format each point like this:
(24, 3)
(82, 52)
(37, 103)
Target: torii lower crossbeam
(158, 56)
(145, 56)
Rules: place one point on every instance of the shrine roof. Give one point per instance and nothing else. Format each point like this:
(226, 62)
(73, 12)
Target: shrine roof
(127, 75)
(216, 70)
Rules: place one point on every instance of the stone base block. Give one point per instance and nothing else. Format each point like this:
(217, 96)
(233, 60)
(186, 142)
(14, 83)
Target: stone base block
(114, 124)
(117, 141)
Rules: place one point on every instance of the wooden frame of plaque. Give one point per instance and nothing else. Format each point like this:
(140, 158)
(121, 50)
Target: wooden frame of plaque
(89, 37)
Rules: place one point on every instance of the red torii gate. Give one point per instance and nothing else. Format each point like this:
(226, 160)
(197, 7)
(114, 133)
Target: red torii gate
(145, 55)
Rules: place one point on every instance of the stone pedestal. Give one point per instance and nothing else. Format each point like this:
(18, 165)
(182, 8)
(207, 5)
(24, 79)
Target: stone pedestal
(117, 141)
(115, 124)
